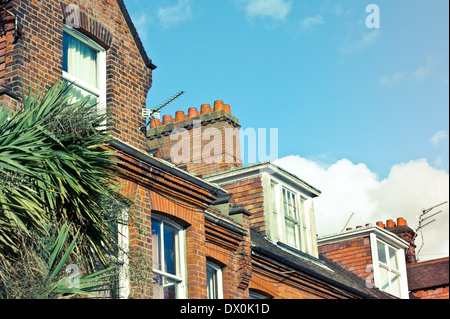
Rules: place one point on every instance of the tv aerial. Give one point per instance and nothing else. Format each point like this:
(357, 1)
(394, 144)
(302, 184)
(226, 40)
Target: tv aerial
(424, 221)
(156, 112)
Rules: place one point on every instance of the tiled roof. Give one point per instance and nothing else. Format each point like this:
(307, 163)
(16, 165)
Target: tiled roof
(327, 272)
(428, 274)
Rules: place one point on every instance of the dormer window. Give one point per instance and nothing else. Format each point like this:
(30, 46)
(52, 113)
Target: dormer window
(280, 204)
(289, 223)
(84, 65)
(389, 273)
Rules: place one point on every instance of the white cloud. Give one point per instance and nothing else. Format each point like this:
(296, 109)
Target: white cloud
(389, 80)
(347, 187)
(275, 9)
(175, 15)
(356, 45)
(439, 137)
(416, 76)
(142, 25)
(310, 22)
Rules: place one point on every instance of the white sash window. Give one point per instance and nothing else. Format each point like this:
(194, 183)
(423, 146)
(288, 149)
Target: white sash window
(84, 64)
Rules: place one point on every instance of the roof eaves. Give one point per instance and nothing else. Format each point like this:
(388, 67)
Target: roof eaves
(137, 39)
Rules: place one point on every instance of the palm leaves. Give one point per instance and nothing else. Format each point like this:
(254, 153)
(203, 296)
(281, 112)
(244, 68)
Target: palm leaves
(55, 169)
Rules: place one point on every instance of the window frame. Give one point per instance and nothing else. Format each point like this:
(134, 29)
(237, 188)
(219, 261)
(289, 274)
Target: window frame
(180, 271)
(378, 265)
(219, 279)
(99, 92)
(285, 215)
(123, 259)
(278, 217)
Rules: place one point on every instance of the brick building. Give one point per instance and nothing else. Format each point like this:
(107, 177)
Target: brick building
(202, 226)
(385, 254)
(429, 279)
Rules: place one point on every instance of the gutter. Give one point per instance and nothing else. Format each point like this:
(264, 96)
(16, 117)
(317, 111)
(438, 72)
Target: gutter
(226, 224)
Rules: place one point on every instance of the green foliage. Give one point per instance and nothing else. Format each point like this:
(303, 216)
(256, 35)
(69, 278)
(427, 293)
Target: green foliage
(40, 272)
(55, 170)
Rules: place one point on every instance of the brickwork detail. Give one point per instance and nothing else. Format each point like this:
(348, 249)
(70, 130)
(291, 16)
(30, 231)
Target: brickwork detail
(249, 193)
(35, 58)
(205, 153)
(354, 255)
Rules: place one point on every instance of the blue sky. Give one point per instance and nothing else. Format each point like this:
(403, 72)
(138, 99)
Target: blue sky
(370, 101)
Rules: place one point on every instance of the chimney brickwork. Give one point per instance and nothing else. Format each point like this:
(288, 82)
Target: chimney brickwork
(202, 142)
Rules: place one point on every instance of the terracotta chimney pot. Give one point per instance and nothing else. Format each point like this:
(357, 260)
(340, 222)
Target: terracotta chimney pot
(390, 223)
(179, 115)
(192, 112)
(401, 222)
(167, 119)
(206, 108)
(348, 229)
(153, 123)
(358, 226)
(227, 108)
(218, 105)
(380, 224)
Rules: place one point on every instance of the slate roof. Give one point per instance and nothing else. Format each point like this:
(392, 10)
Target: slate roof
(428, 274)
(321, 269)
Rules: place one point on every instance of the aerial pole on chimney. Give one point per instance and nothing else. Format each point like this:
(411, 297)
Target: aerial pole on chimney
(424, 221)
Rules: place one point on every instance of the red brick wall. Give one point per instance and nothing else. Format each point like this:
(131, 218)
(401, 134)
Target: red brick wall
(36, 59)
(435, 293)
(354, 255)
(155, 191)
(249, 193)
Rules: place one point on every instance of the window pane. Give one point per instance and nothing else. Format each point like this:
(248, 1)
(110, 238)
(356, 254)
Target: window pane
(170, 249)
(156, 244)
(381, 252)
(164, 288)
(79, 94)
(384, 279)
(393, 258)
(211, 277)
(80, 60)
(395, 284)
(290, 233)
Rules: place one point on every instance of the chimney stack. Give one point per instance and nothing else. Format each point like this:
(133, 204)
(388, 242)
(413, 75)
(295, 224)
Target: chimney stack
(206, 154)
(402, 230)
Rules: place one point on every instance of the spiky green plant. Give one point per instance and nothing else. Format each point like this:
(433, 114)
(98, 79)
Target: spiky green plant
(54, 169)
(41, 270)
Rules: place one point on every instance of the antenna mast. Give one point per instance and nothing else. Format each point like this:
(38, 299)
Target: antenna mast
(346, 223)
(421, 218)
(155, 113)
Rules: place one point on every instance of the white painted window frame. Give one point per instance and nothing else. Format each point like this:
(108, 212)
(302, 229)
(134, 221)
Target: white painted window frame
(180, 254)
(99, 92)
(400, 254)
(219, 278)
(123, 256)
